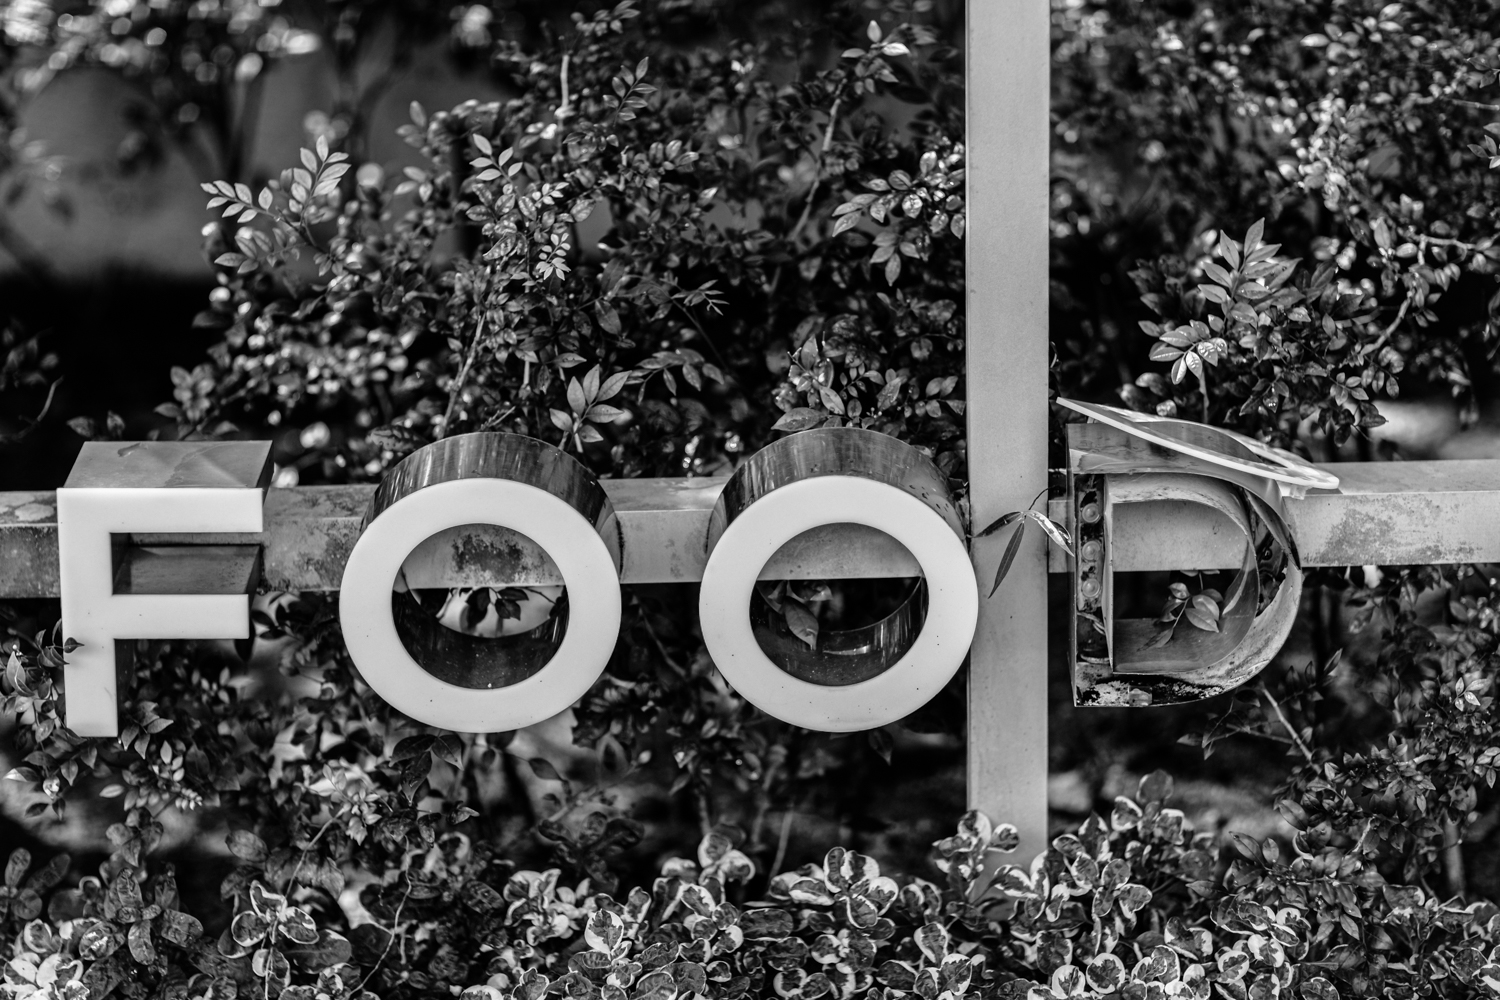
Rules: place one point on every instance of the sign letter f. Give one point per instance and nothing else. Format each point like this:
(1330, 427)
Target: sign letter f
(113, 592)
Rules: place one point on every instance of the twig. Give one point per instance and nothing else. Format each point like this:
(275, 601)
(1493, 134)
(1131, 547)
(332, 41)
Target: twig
(495, 421)
(395, 926)
(705, 813)
(463, 373)
(782, 841)
(310, 845)
(724, 365)
(661, 648)
(763, 803)
(1386, 333)
(812, 191)
(1296, 739)
(565, 108)
(1453, 858)
(1472, 104)
(37, 422)
(1443, 241)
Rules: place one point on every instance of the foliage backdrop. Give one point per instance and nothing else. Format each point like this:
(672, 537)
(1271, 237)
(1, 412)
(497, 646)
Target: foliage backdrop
(691, 227)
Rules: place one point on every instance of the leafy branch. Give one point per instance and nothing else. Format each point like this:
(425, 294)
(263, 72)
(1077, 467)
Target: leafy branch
(586, 401)
(293, 204)
(1202, 610)
(1055, 532)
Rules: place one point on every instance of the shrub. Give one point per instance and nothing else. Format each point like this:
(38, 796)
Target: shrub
(659, 255)
(1358, 129)
(1137, 906)
(654, 257)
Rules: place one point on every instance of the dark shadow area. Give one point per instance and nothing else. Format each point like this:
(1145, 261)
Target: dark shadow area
(116, 341)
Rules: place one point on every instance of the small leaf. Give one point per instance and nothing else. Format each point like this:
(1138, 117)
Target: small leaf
(412, 747)
(1056, 532)
(296, 925)
(1253, 236)
(932, 938)
(1163, 635)
(1201, 620)
(247, 847)
(1001, 522)
(802, 623)
(603, 413)
(1009, 557)
(1194, 363)
(799, 419)
(543, 769)
(577, 399)
(180, 929)
(1218, 274)
(1105, 973)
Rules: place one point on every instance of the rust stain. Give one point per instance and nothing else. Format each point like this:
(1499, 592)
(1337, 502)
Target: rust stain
(495, 552)
(1392, 530)
(33, 512)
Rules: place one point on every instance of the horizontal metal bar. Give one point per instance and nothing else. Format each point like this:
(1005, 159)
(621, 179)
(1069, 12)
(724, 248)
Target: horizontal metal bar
(311, 529)
(1386, 513)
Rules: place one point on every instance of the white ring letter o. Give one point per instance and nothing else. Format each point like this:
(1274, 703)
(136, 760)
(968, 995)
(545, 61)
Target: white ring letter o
(503, 479)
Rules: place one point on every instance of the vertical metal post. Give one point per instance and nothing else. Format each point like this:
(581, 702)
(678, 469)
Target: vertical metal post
(1008, 64)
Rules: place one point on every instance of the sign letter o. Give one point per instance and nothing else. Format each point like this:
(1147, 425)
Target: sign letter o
(519, 483)
(833, 476)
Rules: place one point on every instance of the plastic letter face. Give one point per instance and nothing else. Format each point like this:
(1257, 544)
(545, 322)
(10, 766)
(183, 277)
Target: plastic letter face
(484, 479)
(97, 617)
(851, 682)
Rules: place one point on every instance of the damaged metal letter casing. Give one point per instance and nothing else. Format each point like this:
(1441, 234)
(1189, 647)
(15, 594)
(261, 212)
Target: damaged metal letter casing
(1125, 457)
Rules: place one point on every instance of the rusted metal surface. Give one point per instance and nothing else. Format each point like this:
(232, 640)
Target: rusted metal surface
(1404, 513)
(310, 531)
(1386, 513)
(28, 544)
